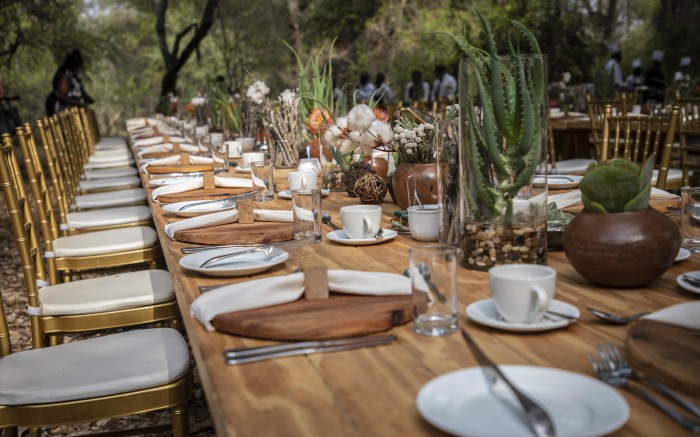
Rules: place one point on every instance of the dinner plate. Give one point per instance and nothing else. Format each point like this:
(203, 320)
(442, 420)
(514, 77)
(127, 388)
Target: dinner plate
(168, 181)
(206, 208)
(287, 194)
(241, 265)
(462, 403)
(341, 237)
(559, 181)
(683, 254)
(484, 312)
(687, 285)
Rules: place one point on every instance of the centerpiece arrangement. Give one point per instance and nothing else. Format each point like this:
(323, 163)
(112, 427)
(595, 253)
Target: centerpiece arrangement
(281, 120)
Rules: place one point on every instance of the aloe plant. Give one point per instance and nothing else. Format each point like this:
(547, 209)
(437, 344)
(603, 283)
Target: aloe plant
(617, 185)
(501, 109)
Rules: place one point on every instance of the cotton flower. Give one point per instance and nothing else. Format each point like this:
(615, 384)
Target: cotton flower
(355, 136)
(345, 145)
(342, 123)
(288, 97)
(257, 92)
(381, 130)
(360, 118)
(331, 135)
(198, 101)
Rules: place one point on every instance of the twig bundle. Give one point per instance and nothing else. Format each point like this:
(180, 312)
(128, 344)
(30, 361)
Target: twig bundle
(282, 122)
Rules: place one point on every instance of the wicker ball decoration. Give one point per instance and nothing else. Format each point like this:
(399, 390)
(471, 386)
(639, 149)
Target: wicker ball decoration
(371, 188)
(355, 171)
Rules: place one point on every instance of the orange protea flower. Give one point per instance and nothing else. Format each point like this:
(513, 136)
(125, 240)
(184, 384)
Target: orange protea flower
(189, 107)
(381, 114)
(318, 118)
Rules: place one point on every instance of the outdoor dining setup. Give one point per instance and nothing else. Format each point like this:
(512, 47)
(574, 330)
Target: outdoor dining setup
(362, 269)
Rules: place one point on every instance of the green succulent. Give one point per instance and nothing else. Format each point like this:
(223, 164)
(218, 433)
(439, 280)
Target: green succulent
(617, 185)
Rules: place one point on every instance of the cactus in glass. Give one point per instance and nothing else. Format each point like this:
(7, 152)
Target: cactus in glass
(617, 185)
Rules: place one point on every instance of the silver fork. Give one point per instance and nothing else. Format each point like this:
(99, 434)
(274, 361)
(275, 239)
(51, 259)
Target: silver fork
(605, 373)
(619, 365)
(267, 250)
(225, 203)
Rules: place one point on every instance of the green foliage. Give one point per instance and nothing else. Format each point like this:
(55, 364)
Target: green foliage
(315, 81)
(617, 185)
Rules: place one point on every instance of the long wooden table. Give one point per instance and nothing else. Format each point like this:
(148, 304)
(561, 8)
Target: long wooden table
(372, 392)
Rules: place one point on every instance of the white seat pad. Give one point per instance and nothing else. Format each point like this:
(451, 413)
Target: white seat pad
(111, 146)
(112, 198)
(108, 164)
(127, 181)
(107, 142)
(121, 152)
(108, 216)
(105, 242)
(573, 166)
(103, 366)
(111, 173)
(674, 174)
(109, 158)
(107, 293)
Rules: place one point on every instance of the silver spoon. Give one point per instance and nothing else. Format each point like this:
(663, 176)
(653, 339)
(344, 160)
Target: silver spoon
(614, 318)
(325, 218)
(380, 234)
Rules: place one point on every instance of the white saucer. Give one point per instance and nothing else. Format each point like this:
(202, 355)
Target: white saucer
(559, 181)
(168, 181)
(342, 238)
(683, 254)
(484, 312)
(687, 285)
(195, 211)
(241, 169)
(241, 265)
(463, 404)
(287, 194)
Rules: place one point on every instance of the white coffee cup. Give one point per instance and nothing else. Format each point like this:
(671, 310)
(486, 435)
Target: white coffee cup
(361, 221)
(247, 158)
(216, 138)
(302, 179)
(234, 148)
(247, 144)
(424, 224)
(522, 293)
(309, 164)
(201, 131)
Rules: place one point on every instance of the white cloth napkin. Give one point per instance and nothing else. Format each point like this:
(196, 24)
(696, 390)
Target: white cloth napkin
(226, 217)
(139, 122)
(574, 197)
(197, 183)
(168, 147)
(276, 290)
(175, 160)
(153, 141)
(686, 315)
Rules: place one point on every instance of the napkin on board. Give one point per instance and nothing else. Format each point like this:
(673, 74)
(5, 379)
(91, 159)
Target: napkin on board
(175, 160)
(226, 217)
(574, 197)
(168, 147)
(686, 315)
(140, 122)
(153, 141)
(197, 183)
(276, 290)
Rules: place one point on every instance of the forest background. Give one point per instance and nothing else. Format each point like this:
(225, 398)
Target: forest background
(125, 62)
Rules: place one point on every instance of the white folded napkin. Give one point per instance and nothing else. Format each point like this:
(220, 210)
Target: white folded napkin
(276, 290)
(175, 160)
(139, 122)
(152, 141)
(197, 183)
(168, 147)
(226, 217)
(686, 315)
(574, 197)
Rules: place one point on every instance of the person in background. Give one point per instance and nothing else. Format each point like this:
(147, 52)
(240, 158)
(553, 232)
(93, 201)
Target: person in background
(67, 85)
(444, 86)
(417, 90)
(384, 95)
(654, 78)
(612, 67)
(636, 78)
(366, 88)
(682, 76)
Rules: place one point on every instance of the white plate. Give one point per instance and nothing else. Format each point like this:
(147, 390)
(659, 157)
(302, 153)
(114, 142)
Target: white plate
(687, 285)
(484, 312)
(462, 403)
(168, 181)
(241, 169)
(195, 211)
(287, 194)
(559, 181)
(342, 238)
(683, 254)
(241, 265)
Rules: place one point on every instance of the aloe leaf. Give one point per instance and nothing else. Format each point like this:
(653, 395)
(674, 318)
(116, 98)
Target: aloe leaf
(538, 83)
(639, 202)
(646, 173)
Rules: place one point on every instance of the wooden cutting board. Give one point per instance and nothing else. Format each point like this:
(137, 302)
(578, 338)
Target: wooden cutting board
(165, 169)
(666, 352)
(338, 316)
(237, 233)
(202, 194)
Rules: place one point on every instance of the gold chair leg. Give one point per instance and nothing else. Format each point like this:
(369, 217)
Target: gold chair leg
(55, 339)
(35, 432)
(180, 421)
(10, 431)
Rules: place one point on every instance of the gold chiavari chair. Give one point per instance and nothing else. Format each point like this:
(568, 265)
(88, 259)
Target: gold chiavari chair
(689, 125)
(575, 166)
(596, 112)
(89, 251)
(636, 137)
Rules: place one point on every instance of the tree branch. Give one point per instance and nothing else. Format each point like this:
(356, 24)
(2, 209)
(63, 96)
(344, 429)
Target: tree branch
(180, 35)
(204, 25)
(160, 30)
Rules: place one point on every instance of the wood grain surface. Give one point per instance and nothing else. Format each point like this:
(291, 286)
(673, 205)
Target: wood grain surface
(191, 168)
(238, 233)
(201, 194)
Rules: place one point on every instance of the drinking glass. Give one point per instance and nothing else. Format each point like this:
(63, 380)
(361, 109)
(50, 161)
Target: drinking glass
(690, 218)
(433, 272)
(261, 173)
(306, 207)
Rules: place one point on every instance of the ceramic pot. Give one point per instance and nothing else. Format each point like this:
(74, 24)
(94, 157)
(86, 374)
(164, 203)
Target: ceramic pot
(426, 182)
(622, 250)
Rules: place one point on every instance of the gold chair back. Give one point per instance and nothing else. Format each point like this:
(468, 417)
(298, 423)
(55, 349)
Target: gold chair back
(596, 112)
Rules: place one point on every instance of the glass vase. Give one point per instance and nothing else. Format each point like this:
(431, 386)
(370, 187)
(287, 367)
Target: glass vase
(447, 158)
(503, 207)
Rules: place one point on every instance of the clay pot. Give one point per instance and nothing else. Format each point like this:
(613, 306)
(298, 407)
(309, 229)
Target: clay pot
(622, 250)
(381, 167)
(426, 182)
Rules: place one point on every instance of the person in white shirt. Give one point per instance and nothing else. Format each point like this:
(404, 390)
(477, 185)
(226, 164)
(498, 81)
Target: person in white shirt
(417, 90)
(682, 76)
(612, 67)
(384, 95)
(366, 88)
(445, 86)
(636, 78)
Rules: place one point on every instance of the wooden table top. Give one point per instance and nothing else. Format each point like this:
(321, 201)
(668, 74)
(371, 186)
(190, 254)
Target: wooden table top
(372, 392)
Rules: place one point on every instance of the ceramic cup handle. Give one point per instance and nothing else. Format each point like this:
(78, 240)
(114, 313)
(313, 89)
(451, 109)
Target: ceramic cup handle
(539, 303)
(303, 182)
(366, 227)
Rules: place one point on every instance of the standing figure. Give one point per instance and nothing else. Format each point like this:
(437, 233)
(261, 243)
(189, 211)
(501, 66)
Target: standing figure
(613, 69)
(681, 78)
(444, 86)
(417, 90)
(636, 78)
(654, 78)
(384, 95)
(67, 85)
(366, 88)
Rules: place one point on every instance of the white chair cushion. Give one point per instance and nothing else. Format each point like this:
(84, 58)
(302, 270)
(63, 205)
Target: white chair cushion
(107, 293)
(111, 173)
(112, 198)
(108, 164)
(674, 174)
(111, 159)
(105, 242)
(93, 184)
(108, 142)
(108, 216)
(102, 366)
(111, 146)
(122, 152)
(572, 166)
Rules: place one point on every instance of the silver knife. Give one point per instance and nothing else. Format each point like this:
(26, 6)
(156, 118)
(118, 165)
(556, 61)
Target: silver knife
(536, 416)
(226, 201)
(242, 356)
(222, 246)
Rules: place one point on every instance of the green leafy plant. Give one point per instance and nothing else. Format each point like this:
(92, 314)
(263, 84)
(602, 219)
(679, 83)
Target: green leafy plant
(315, 81)
(617, 185)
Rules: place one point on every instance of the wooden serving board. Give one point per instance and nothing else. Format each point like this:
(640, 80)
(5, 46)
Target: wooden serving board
(164, 169)
(338, 316)
(237, 233)
(202, 194)
(666, 352)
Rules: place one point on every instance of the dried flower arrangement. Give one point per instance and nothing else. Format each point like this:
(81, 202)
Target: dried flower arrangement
(281, 120)
(251, 107)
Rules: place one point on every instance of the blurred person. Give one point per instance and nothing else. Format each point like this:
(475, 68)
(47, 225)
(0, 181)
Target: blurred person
(654, 78)
(444, 86)
(682, 76)
(366, 88)
(68, 90)
(612, 67)
(636, 78)
(417, 90)
(384, 95)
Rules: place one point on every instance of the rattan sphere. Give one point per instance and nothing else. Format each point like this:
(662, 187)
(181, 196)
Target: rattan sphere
(370, 188)
(355, 171)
